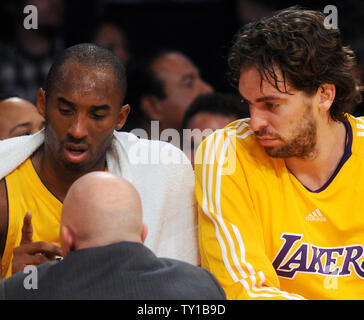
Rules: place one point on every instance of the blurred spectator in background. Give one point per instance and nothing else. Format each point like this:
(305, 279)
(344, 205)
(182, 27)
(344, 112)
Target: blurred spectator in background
(18, 117)
(208, 113)
(358, 47)
(161, 88)
(24, 63)
(112, 37)
(251, 10)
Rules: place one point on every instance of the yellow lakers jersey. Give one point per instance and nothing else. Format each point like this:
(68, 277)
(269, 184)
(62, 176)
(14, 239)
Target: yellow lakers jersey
(26, 192)
(264, 235)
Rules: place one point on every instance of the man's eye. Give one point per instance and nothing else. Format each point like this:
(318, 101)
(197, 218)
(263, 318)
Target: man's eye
(24, 133)
(98, 116)
(272, 105)
(65, 111)
(189, 84)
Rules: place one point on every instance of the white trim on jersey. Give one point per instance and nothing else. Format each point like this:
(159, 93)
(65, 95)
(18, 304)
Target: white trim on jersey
(253, 289)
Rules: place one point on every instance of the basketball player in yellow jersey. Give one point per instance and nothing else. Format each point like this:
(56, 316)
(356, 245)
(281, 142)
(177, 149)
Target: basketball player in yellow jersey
(82, 106)
(84, 112)
(280, 194)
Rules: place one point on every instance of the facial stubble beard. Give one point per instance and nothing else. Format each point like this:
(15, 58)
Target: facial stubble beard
(79, 168)
(303, 144)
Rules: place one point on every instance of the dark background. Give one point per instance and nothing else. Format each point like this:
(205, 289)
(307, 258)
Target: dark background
(203, 29)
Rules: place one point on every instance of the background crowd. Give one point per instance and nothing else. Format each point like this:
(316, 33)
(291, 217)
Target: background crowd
(174, 51)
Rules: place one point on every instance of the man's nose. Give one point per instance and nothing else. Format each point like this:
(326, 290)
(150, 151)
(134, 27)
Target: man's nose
(258, 119)
(78, 128)
(205, 88)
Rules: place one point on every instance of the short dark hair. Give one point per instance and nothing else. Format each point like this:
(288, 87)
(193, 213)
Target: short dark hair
(225, 104)
(307, 53)
(89, 55)
(143, 81)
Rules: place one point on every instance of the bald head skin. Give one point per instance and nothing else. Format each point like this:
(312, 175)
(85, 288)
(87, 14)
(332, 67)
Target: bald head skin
(18, 117)
(100, 209)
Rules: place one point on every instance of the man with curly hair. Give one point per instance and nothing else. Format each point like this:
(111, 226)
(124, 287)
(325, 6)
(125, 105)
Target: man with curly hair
(287, 222)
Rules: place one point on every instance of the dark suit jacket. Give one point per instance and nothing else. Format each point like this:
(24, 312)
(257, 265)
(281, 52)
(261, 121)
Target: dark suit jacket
(125, 270)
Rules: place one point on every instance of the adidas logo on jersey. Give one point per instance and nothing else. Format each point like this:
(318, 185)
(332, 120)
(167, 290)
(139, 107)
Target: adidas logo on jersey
(315, 216)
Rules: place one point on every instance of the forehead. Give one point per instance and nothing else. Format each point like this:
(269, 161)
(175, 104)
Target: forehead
(16, 109)
(173, 66)
(253, 86)
(86, 83)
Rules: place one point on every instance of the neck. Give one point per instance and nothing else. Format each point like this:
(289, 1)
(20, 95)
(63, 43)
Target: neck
(316, 169)
(105, 242)
(56, 177)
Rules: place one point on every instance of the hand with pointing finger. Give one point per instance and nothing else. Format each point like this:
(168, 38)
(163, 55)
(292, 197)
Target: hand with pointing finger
(32, 253)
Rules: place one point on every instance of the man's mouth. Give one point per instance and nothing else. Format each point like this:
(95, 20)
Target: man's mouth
(264, 141)
(75, 153)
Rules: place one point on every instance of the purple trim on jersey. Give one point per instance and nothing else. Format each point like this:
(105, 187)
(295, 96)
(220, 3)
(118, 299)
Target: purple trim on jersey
(44, 183)
(2, 249)
(344, 158)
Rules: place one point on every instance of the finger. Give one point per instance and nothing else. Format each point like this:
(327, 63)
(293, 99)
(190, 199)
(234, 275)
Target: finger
(27, 230)
(40, 258)
(39, 247)
(34, 260)
(53, 256)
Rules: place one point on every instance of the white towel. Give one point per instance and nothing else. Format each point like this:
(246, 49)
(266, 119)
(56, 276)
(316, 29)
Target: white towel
(160, 172)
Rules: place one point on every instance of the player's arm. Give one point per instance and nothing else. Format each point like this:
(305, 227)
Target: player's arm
(3, 219)
(32, 253)
(230, 232)
(28, 252)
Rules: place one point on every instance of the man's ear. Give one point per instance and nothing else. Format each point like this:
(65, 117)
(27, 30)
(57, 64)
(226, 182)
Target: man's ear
(123, 115)
(151, 107)
(41, 102)
(144, 232)
(67, 241)
(326, 92)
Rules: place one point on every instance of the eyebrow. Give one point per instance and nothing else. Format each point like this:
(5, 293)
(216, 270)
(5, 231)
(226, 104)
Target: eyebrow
(95, 107)
(24, 124)
(105, 107)
(264, 98)
(65, 101)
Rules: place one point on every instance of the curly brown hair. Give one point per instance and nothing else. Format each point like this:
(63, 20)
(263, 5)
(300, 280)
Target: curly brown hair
(307, 54)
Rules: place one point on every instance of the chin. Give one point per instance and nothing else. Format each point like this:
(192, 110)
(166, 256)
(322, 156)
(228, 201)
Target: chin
(272, 152)
(285, 151)
(83, 166)
(292, 151)
(76, 167)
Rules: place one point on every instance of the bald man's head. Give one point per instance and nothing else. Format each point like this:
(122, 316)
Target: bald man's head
(18, 117)
(100, 209)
